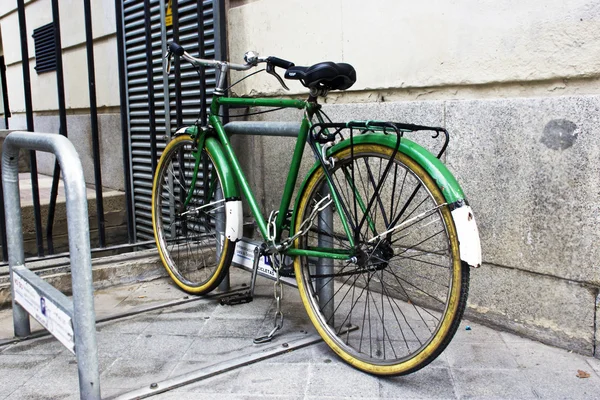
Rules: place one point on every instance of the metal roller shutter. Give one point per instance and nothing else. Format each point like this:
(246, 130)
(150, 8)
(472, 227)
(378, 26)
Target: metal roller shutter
(138, 89)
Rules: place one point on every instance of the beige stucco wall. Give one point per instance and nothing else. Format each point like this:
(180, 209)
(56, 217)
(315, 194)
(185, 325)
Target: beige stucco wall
(403, 44)
(43, 86)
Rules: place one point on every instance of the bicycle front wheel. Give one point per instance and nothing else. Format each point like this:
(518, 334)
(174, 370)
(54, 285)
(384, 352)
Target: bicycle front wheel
(188, 220)
(394, 306)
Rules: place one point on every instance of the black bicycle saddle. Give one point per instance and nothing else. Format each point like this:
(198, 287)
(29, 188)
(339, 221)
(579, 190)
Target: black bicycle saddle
(327, 75)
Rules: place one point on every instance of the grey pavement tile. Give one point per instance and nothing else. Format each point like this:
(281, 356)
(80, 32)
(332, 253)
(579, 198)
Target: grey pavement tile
(33, 394)
(537, 355)
(114, 343)
(200, 308)
(239, 327)
(299, 356)
(595, 364)
(176, 324)
(259, 306)
(337, 379)
(211, 350)
(45, 345)
(129, 374)
(17, 369)
(133, 324)
(186, 367)
(222, 383)
(162, 347)
(60, 377)
(427, 383)
(492, 384)
(511, 337)
(477, 334)
(553, 384)
(269, 379)
(493, 355)
(335, 397)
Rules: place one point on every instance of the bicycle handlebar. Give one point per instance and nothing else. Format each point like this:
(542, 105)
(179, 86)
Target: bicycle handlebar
(252, 60)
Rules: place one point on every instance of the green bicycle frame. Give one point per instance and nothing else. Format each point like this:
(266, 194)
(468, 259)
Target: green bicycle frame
(234, 165)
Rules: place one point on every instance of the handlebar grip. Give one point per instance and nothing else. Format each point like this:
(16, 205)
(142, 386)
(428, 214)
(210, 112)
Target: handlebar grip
(176, 49)
(281, 63)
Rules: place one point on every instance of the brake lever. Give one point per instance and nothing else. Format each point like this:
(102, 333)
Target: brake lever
(169, 57)
(271, 70)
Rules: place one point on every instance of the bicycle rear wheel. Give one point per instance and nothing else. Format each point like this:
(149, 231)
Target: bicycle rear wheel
(395, 307)
(189, 236)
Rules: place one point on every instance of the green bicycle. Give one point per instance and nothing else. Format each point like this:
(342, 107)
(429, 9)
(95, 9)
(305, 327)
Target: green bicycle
(380, 233)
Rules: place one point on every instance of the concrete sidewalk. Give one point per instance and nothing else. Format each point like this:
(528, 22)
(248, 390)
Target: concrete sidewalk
(153, 346)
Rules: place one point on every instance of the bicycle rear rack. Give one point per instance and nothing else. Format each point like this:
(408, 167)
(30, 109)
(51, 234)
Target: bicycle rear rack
(323, 133)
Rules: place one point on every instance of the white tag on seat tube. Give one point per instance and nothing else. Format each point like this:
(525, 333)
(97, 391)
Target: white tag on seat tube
(234, 224)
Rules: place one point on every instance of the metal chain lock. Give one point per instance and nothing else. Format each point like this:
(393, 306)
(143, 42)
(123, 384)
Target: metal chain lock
(278, 293)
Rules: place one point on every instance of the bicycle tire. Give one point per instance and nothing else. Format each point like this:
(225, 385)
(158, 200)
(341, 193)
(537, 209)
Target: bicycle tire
(421, 302)
(187, 238)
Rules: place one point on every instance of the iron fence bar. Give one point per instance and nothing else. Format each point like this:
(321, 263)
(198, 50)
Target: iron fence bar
(7, 113)
(175, 26)
(89, 39)
(165, 76)
(124, 124)
(62, 114)
(35, 191)
(149, 74)
(82, 312)
(200, 13)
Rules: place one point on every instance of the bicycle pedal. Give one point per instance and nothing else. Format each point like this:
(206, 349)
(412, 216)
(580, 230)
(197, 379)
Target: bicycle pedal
(236, 298)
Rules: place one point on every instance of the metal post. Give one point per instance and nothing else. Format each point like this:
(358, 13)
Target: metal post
(220, 228)
(79, 244)
(325, 265)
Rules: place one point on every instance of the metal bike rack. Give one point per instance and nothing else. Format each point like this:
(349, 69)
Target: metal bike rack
(71, 322)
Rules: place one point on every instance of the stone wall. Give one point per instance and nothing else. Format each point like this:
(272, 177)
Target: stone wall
(515, 83)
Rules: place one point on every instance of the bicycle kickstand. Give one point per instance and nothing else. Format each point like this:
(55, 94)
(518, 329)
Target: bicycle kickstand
(248, 295)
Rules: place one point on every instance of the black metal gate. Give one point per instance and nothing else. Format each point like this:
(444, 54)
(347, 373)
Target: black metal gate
(157, 103)
(153, 105)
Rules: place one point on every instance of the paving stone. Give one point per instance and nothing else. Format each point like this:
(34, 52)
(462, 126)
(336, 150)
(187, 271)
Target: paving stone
(45, 345)
(480, 356)
(163, 347)
(492, 384)
(133, 324)
(535, 355)
(595, 364)
(340, 380)
(427, 383)
(260, 305)
(211, 350)
(227, 327)
(133, 373)
(181, 324)
(563, 384)
(216, 384)
(270, 379)
(17, 369)
(477, 334)
(114, 343)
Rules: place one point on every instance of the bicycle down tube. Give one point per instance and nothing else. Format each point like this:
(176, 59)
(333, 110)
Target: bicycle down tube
(291, 177)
